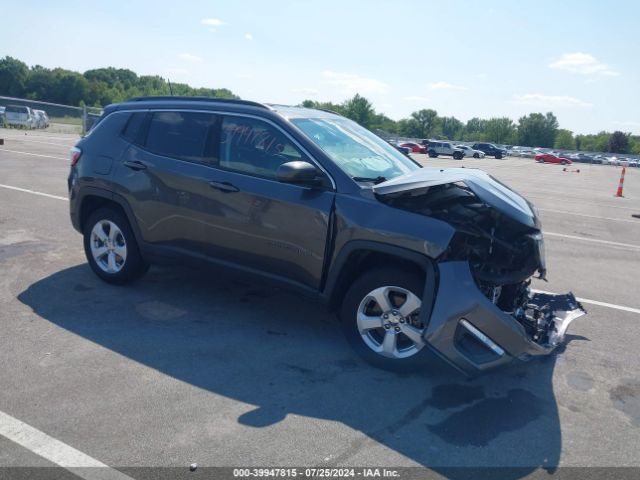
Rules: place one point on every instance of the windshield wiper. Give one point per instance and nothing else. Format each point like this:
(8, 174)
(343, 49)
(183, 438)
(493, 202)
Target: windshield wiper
(375, 180)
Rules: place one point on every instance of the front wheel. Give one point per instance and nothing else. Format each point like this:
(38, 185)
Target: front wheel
(111, 247)
(498, 156)
(475, 155)
(433, 154)
(457, 156)
(380, 317)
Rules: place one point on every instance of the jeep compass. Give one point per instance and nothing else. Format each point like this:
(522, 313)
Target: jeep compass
(411, 258)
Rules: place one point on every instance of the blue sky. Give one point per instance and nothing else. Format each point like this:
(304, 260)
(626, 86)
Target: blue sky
(462, 58)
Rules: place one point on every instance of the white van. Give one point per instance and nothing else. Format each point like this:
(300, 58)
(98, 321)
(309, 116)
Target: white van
(19, 116)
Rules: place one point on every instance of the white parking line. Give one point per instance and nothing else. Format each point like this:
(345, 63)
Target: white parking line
(33, 154)
(56, 451)
(33, 192)
(593, 240)
(564, 212)
(27, 139)
(50, 136)
(596, 302)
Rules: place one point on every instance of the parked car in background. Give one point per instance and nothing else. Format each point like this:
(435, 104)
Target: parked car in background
(42, 119)
(551, 158)
(470, 152)
(444, 148)
(20, 116)
(490, 150)
(610, 160)
(414, 147)
(401, 149)
(2, 116)
(583, 157)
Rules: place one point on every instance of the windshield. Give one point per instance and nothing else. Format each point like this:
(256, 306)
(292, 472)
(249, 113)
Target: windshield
(356, 150)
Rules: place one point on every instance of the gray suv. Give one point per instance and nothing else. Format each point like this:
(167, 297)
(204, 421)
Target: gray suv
(410, 257)
(445, 148)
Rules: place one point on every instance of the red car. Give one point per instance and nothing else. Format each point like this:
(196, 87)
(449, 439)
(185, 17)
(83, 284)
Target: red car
(414, 147)
(551, 158)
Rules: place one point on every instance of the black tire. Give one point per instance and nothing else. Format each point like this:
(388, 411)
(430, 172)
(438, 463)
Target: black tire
(133, 266)
(475, 155)
(498, 156)
(433, 154)
(348, 312)
(457, 156)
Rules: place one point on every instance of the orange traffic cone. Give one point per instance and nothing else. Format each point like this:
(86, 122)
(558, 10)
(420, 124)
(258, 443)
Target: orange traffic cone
(621, 184)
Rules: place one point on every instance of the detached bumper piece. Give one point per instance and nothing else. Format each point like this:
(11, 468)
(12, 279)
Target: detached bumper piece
(474, 335)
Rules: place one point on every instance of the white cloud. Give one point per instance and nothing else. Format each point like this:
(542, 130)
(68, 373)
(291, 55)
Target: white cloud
(540, 100)
(306, 91)
(190, 57)
(350, 83)
(416, 98)
(214, 23)
(248, 36)
(445, 86)
(582, 64)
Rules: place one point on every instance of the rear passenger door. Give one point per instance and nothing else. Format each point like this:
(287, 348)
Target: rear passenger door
(164, 175)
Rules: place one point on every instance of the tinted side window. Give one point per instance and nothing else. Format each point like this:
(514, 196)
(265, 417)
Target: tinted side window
(133, 129)
(183, 135)
(252, 146)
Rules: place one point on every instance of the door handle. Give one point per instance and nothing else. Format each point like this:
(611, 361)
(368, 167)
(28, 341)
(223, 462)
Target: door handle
(224, 187)
(134, 165)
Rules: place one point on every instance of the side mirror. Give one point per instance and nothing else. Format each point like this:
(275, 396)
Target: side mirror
(298, 172)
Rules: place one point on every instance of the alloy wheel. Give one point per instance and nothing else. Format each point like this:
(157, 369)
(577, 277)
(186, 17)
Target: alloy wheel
(388, 322)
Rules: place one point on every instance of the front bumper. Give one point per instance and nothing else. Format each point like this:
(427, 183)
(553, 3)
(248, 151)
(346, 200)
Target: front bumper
(474, 335)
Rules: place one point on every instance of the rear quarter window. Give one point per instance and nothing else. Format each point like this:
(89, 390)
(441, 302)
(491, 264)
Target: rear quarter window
(133, 130)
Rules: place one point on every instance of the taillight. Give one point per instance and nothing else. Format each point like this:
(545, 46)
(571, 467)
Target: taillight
(75, 154)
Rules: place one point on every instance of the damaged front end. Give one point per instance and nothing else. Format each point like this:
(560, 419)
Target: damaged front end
(484, 313)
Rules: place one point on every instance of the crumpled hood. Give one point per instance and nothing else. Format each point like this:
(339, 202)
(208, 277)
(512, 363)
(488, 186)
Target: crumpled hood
(487, 188)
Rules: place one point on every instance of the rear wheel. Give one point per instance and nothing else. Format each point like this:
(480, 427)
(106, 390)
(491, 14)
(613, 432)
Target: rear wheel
(457, 156)
(433, 154)
(111, 247)
(498, 156)
(380, 317)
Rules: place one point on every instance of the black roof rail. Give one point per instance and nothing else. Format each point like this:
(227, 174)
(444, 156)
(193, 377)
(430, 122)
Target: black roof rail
(198, 99)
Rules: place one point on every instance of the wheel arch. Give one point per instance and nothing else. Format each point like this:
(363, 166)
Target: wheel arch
(92, 199)
(358, 256)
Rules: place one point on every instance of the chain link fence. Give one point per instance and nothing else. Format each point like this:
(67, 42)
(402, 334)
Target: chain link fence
(27, 114)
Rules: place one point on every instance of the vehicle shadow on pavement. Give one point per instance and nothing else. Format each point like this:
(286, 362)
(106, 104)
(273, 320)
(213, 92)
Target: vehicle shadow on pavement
(267, 347)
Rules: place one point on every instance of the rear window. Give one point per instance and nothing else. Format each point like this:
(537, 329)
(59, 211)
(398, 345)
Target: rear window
(182, 135)
(17, 109)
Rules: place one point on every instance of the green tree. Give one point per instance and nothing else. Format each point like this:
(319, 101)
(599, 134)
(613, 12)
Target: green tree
(13, 77)
(595, 143)
(564, 140)
(360, 110)
(537, 130)
(451, 127)
(500, 130)
(474, 130)
(619, 142)
(425, 122)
